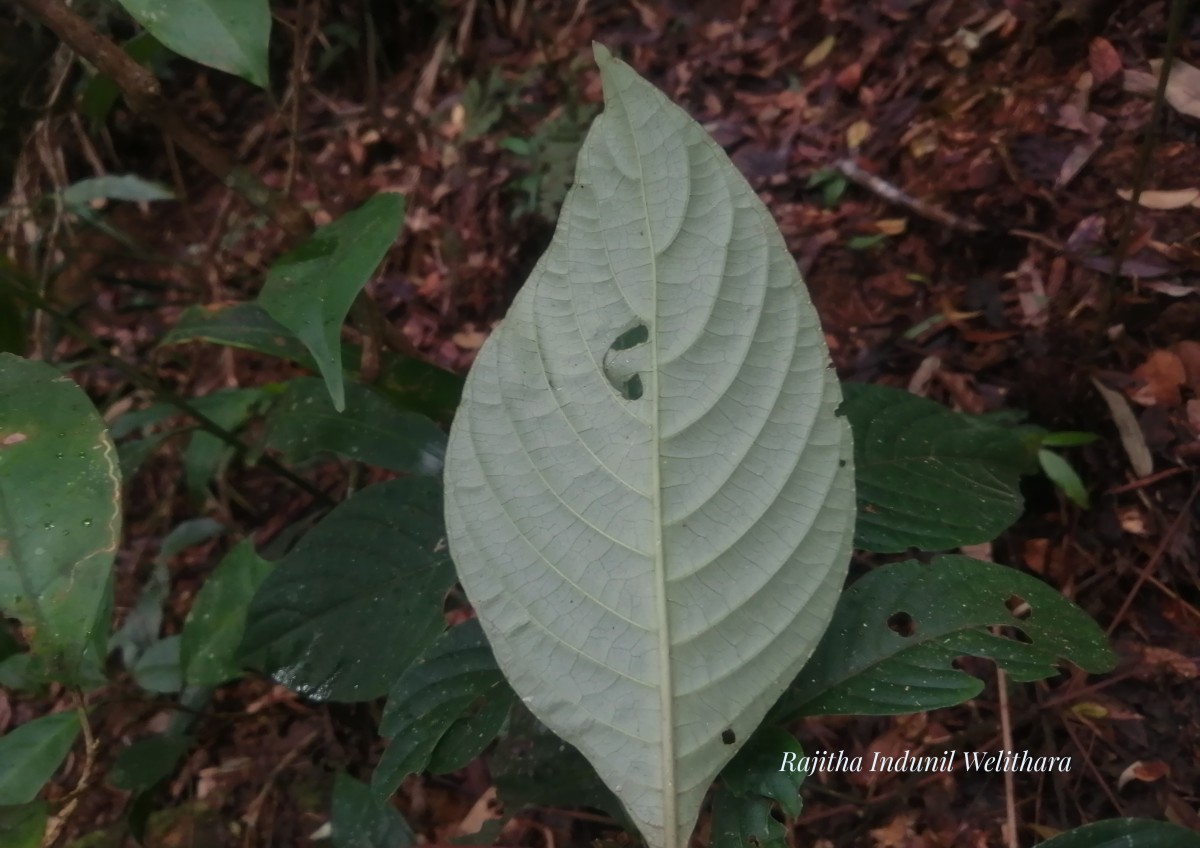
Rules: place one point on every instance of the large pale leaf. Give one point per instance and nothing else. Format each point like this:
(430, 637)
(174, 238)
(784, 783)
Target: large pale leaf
(59, 511)
(892, 643)
(229, 35)
(649, 497)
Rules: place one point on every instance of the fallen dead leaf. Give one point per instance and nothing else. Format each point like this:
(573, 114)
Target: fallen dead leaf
(1162, 374)
(1155, 659)
(819, 53)
(1163, 199)
(1103, 60)
(891, 226)
(1129, 430)
(1183, 85)
(1146, 772)
(1189, 354)
(857, 133)
(1132, 521)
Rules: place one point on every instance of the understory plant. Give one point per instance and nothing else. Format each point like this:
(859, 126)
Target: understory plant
(641, 521)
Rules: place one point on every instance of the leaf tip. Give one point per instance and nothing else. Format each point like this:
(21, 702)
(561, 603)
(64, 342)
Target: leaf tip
(602, 54)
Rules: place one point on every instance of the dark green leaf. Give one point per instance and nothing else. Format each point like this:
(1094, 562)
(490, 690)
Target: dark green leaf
(359, 598)
(303, 424)
(242, 325)
(744, 823)
(444, 709)
(140, 628)
(147, 761)
(213, 629)
(532, 766)
(1125, 833)
(202, 458)
(898, 630)
(421, 387)
(188, 534)
(1063, 475)
(311, 289)
(229, 35)
(360, 819)
(23, 826)
(31, 754)
(929, 477)
(59, 513)
(1067, 439)
(755, 771)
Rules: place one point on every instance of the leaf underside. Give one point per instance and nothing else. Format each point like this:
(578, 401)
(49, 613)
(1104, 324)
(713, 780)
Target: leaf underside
(649, 497)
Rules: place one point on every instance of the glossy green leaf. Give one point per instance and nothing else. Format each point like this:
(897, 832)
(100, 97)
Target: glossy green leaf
(30, 754)
(23, 826)
(755, 771)
(360, 819)
(229, 35)
(303, 423)
(1063, 475)
(928, 477)
(147, 761)
(214, 626)
(897, 631)
(653, 536)
(311, 289)
(1125, 833)
(444, 709)
(114, 187)
(358, 599)
(60, 517)
(242, 325)
(744, 822)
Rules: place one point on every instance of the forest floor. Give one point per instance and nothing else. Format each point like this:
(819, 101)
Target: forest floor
(952, 180)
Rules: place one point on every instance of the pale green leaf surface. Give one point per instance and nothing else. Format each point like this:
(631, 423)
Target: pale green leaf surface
(654, 533)
(229, 35)
(311, 289)
(59, 511)
(114, 187)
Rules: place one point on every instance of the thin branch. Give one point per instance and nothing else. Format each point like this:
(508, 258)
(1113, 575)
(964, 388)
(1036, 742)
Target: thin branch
(144, 96)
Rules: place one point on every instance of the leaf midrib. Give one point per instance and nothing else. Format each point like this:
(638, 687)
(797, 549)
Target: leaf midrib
(665, 687)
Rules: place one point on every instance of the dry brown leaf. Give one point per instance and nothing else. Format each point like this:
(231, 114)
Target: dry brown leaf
(1161, 374)
(1146, 772)
(1163, 199)
(1129, 430)
(891, 226)
(1183, 86)
(819, 53)
(1189, 354)
(1103, 60)
(857, 133)
(1164, 659)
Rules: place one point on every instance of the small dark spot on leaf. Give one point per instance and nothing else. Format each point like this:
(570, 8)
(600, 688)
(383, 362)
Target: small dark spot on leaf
(841, 463)
(902, 623)
(632, 388)
(728, 736)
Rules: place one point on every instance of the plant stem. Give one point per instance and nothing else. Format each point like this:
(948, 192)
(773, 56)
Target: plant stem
(144, 95)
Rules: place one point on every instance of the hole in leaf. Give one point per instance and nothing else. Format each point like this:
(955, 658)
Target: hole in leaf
(636, 335)
(1018, 607)
(728, 736)
(841, 463)
(631, 389)
(902, 623)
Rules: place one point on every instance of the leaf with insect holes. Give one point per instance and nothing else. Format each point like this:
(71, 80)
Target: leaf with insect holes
(649, 496)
